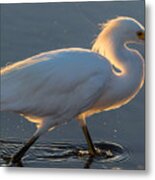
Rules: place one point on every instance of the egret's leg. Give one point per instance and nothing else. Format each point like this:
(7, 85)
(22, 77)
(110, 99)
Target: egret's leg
(91, 147)
(18, 156)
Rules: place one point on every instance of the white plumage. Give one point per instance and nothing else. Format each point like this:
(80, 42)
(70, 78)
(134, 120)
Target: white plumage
(56, 86)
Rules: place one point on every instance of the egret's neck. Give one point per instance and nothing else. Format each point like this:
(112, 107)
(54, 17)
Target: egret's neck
(128, 61)
(112, 47)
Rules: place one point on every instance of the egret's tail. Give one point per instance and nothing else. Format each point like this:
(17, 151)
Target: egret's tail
(6, 92)
(3, 96)
(2, 101)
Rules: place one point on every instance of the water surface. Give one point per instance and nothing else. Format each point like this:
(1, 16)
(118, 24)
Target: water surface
(28, 29)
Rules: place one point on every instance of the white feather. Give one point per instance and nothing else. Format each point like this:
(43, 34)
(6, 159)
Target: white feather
(56, 86)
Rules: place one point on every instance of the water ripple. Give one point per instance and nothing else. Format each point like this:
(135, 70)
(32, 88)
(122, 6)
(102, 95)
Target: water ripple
(65, 155)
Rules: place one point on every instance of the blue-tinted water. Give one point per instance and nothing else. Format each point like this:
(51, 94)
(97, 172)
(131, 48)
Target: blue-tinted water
(28, 29)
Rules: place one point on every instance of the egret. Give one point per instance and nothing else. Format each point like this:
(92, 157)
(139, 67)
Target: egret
(54, 87)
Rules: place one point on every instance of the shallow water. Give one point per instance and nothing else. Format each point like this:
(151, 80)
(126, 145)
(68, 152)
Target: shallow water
(60, 154)
(28, 29)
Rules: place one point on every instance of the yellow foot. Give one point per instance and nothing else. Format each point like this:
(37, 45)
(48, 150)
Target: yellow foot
(98, 152)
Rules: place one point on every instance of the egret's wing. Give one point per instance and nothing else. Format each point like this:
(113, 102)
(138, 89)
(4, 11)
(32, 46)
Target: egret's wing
(65, 83)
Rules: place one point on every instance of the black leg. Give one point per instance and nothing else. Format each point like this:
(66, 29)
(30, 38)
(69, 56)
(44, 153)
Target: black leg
(89, 162)
(91, 147)
(18, 156)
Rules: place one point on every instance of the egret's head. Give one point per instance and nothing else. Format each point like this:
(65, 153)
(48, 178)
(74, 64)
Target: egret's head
(117, 31)
(126, 28)
(115, 34)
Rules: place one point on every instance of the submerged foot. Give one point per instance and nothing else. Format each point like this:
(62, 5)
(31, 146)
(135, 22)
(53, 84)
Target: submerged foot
(15, 161)
(98, 152)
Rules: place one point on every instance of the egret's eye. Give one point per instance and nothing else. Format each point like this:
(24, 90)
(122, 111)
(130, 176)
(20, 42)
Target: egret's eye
(141, 35)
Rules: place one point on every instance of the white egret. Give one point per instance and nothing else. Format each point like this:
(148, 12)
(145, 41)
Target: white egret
(56, 86)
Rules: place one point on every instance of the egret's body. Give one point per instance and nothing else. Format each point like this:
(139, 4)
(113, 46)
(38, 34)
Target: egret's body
(56, 86)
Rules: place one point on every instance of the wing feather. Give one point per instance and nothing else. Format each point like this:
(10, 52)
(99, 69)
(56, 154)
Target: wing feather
(66, 82)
